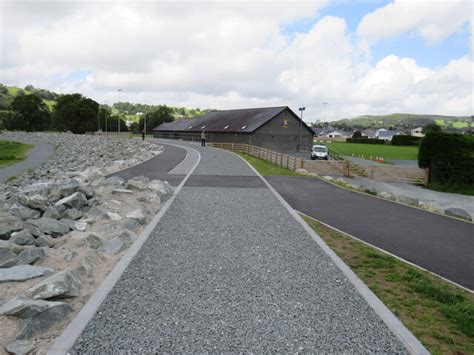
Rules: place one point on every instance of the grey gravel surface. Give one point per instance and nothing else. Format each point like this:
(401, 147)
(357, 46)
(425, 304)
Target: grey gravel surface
(239, 275)
(37, 156)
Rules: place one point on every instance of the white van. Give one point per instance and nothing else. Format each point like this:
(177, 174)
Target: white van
(319, 152)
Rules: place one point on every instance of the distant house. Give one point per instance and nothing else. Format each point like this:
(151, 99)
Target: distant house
(333, 134)
(387, 135)
(369, 133)
(417, 132)
(275, 128)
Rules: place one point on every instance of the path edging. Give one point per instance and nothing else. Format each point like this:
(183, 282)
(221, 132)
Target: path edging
(412, 344)
(74, 329)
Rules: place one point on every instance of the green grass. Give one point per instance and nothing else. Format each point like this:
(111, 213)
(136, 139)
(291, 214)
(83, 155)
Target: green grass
(388, 152)
(268, 169)
(13, 152)
(438, 313)
(454, 189)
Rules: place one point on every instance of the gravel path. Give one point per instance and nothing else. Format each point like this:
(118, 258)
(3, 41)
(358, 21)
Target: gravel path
(37, 156)
(229, 269)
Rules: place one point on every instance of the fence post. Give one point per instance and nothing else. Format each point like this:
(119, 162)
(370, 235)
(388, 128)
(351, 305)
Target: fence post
(301, 163)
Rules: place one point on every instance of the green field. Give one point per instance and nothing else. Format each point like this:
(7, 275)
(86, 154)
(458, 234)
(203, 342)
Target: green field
(388, 152)
(439, 314)
(13, 152)
(13, 91)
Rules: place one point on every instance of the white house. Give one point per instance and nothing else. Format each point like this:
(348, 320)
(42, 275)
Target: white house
(333, 134)
(417, 132)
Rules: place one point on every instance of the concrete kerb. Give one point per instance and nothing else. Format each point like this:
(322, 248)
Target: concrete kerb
(411, 343)
(72, 332)
(385, 252)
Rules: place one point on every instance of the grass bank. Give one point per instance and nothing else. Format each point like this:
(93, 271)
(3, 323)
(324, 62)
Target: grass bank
(13, 152)
(268, 169)
(388, 152)
(438, 313)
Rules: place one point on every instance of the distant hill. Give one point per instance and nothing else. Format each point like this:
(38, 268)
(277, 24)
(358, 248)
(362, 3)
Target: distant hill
(131, 111)
(403, 120)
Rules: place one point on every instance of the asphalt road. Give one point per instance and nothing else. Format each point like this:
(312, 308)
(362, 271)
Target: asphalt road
(440, 244)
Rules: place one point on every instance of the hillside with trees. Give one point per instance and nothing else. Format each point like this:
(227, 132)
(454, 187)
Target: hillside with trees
(404, 120)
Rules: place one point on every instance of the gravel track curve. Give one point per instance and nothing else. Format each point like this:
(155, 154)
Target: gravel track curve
(229, 269)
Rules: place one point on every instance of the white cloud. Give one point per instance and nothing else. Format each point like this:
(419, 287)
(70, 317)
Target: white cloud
(217, 55)
(433, 20)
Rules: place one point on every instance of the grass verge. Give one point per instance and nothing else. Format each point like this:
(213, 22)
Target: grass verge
(454, 189)
(266, 168)
(438, 313)
(13, 152)
(388, 152)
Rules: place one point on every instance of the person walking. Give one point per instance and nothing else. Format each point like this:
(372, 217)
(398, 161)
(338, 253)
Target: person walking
(203, 138)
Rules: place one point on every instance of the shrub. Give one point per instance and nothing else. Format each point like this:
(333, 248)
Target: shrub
(405, 140)
(365, 140)
(450, 158)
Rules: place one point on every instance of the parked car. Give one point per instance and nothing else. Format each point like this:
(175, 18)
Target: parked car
(319, 152)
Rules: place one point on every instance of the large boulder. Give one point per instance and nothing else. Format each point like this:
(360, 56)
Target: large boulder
(91, 241)
(22, 238)
(113, 246)
(161, 188)
(50, 226)
(41, 322)
(36, 202)
(138, 183)
(72, 213)
(138, 215)
(20, 347)
(8, 224)
(52, 212)
(27, 256)
(24, 212)
(458, 213)
(115, 181)
(25, 308)
(77, 200)
(23, 272)
(62, 285)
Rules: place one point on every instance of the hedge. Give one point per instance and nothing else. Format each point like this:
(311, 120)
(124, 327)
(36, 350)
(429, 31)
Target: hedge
(450, 158)
(365, 140)
(405, 140)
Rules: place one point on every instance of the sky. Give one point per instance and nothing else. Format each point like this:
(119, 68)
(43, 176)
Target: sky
(360, 57)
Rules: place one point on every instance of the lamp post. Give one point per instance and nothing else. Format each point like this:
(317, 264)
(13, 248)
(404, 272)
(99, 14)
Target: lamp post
(301, 109)
(118, 116)
(324, 103)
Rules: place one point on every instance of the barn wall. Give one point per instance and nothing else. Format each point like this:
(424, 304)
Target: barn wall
(275, 135)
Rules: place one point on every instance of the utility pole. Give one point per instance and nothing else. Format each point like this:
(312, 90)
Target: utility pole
(301, 109)
(118, 116)
(324, 103)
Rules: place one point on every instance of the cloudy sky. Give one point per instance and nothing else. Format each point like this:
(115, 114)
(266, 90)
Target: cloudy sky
(361, 57)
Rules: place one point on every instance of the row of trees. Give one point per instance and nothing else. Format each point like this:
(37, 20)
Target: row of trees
(75, 113)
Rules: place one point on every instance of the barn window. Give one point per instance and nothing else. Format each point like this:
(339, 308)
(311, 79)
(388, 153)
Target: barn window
(244, 127)
(227, 126)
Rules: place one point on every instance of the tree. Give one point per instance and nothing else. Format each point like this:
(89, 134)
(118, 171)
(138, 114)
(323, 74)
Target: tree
(357, 134)
(75, 113)
(153, 119)
(32, 113)
(431, 128)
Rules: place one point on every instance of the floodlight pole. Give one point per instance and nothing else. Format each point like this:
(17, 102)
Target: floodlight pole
(301, 109)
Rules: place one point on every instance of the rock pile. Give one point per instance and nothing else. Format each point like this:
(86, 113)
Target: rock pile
(67, 223)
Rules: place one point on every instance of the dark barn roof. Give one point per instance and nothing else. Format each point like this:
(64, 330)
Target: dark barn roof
(227, 121)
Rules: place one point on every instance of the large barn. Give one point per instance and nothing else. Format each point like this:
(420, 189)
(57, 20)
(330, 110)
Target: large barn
(275, 128)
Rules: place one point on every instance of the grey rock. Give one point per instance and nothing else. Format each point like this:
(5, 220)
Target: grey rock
(131, 224)
(52, 212)
(114, 216)
(27, 256)
(96, 213)
(35, 231)
(6, 256)
(69, 256)
(22, 238)
(41, 322)
(36, 202)
(138, 215)
(158, 187)
(113, 246)
(43, 241)
(25, 308)
(23, 272)
(20, 347)
(138, 183)
(125, 236)
(80, 226)
(50, 226)
(407, 200)
(72, 213)
(68, 187)
(62, 284)
(24, 212)
(8, 224)
(122, 191)
(76, 200)
(115, 181)
(91, 241)
(458, 212)
(385, 194)
(15, 248)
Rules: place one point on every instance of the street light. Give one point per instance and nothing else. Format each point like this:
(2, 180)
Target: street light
(118, 116)
(301, 109)
(324, 103)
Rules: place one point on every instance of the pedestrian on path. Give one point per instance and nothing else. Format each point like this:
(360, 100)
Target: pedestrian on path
(203, 138)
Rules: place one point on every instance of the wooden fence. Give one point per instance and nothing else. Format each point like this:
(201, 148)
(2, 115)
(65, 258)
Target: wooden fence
(329, 167)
